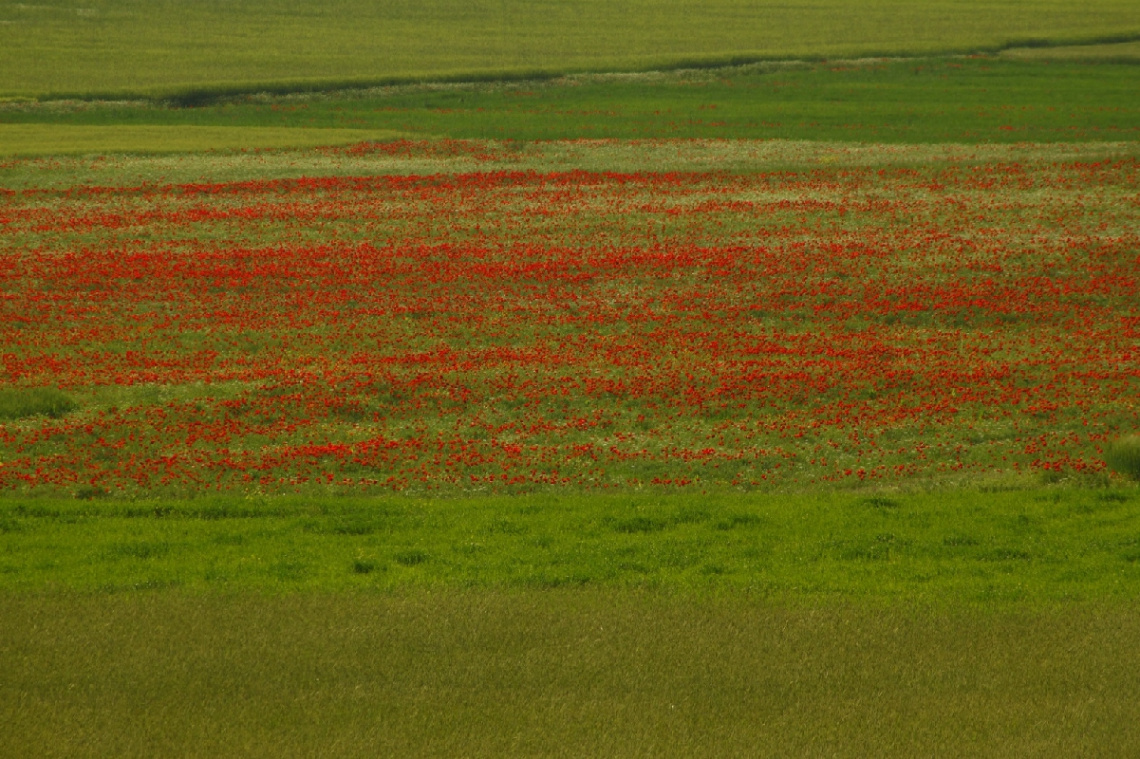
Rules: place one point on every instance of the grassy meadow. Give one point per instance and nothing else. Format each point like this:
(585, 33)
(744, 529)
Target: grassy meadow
(207, 378)
(934, 100)
(1028, 547)
(116, 47)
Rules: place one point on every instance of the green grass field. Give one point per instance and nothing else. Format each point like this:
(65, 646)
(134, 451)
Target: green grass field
(1021, 546)
(940, 100)
(81, 139)
(568, 674)
(59, 47)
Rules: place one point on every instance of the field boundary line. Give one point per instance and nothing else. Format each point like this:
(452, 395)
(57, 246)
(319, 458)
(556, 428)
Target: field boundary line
(191, 95)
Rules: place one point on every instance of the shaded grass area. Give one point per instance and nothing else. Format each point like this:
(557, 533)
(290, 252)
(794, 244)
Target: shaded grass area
(897, 101)
(1117, 52)
(558, 674)
(55, 47)
(1123, 456)
(24, 402)
(1038, 545)
(65, 139)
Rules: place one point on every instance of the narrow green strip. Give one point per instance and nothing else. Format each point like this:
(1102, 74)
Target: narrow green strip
(65, 139)
(1033, 546)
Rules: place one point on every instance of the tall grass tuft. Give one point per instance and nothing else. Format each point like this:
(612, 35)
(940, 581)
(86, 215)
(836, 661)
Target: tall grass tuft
(1123, 456)
(23, 402)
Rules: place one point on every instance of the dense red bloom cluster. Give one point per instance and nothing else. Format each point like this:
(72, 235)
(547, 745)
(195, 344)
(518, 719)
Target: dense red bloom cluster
(509, 330)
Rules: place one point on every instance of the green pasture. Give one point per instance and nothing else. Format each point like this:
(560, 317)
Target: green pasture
(936, 100)
(1026, 546)
(63, 47)
(967, 623)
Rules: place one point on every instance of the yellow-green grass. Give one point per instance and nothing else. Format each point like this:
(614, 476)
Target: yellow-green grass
(66, 139)
(55, 47)
(1033, 546)
(567, 673)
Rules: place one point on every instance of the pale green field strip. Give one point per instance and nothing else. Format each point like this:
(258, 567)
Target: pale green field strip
(58, 172)
(558, 674)
(63, 139)
(58, 47)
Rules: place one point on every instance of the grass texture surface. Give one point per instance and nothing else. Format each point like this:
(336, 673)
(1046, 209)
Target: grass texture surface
(64, 139)
(1035, 546)
(543, 674)
(938, 100)
(59, 47)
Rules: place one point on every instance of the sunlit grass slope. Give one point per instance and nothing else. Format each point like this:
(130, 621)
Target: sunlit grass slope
(66, 46)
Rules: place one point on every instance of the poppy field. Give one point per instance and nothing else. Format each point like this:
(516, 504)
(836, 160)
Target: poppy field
(492, 409)
(506, 330)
